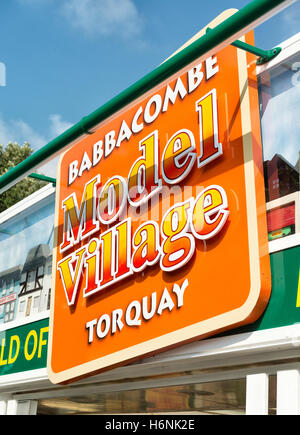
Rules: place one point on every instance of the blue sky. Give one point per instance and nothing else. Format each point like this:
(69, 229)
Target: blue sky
(65, 58)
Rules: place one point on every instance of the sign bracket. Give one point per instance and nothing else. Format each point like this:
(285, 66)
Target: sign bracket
(263, 55)
(40, 177)
(43, 178)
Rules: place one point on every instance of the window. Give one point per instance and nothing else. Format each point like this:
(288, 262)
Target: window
(36, 301)
(279, 94)
(41, 271)
(22, 306)
(9, 311)
(279, 90)
(210, 398)
(31, 280)
(4, 289)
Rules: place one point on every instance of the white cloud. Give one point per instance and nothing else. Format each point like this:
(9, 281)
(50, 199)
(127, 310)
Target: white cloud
(104, 17)
(57, 125)
(97, 17)
(291, 18)
(20, 131)
(16, 130)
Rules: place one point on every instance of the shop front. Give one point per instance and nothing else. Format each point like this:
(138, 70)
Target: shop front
(178, 290)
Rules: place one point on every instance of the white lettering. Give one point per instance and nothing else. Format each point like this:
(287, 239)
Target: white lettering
(90, 326)
(153, 108)
(125, 133)
(165, 302)
(171, 95)
(116, 321)
(179, 291)
(106, 320)
(110, 143)
(73, 171)
(136, 128)
(86, 164)
(97, 152)
(210, 69)
(136, 306)
(156, 100)
(195, 77)
(147, 315)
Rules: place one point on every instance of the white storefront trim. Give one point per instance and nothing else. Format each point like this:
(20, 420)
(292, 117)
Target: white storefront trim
(230, 357)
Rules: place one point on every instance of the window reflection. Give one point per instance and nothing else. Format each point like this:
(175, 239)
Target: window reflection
(279, 93)
(221, 397)
(26, 242)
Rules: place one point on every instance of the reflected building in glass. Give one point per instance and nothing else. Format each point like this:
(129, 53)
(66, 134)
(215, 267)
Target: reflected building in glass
(9, 289)
(35, 283)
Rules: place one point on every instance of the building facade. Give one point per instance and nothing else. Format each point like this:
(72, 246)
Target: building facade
(254, 369)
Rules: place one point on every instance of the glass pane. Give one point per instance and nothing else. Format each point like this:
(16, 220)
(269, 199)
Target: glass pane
(22, 307)
(279, 103)
(279, 94)
(31, 280)
(26, 242)
(222, 397)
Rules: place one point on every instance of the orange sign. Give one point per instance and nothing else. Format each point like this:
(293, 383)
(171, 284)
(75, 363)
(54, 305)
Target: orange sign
(161, 224)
